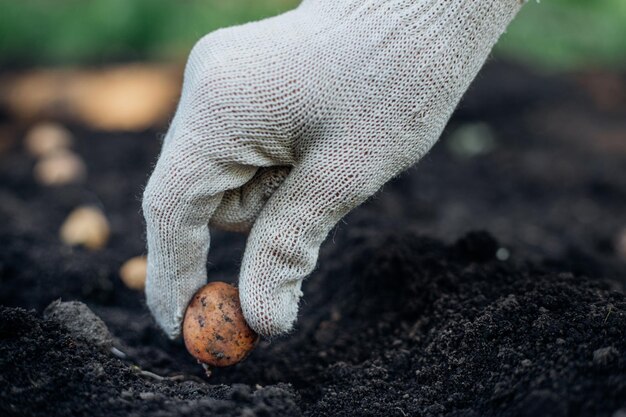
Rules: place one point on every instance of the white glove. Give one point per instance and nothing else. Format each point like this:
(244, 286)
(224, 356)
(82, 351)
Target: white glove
(345, 94)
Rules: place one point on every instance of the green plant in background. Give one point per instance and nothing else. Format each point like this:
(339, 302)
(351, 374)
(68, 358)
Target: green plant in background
(553, 35)
(568, 34)
(93, 31)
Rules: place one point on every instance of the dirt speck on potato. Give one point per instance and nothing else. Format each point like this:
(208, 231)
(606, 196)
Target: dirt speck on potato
(214, 328)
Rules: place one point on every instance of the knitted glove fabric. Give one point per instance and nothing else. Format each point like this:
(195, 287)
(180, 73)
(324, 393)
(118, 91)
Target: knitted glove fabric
(286, 124)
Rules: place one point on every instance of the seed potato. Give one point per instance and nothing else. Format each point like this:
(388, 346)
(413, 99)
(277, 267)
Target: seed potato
(214, 329)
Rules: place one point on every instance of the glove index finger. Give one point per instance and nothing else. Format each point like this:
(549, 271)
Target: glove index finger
(178, 202)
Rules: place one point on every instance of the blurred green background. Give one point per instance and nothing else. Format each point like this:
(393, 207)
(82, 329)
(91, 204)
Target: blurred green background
(551, 35)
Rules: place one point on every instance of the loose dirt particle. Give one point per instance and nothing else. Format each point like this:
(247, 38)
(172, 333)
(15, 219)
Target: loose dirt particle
(605, 356)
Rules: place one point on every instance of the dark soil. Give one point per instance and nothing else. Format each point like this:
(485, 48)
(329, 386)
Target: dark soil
(410, 313)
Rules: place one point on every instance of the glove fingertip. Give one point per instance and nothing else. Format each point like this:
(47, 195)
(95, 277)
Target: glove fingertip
(169, 323)
(171, 328)
(271, 313)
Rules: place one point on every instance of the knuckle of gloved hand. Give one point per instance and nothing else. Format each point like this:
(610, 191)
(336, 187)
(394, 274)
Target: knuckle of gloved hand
(209, 56)
(202, 52)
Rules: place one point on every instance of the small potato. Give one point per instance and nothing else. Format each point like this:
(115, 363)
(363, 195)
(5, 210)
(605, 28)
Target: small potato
(86, 226)
(133, 272)
(47, 138)
(214, 328)
(60, 168)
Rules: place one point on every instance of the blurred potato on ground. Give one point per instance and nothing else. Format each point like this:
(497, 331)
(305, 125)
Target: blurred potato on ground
(133, 272)
(46, 138)
(86, 226)
(130, 97)
(60, 168)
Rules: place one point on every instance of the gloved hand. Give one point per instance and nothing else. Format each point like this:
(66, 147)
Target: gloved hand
(287, 124)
